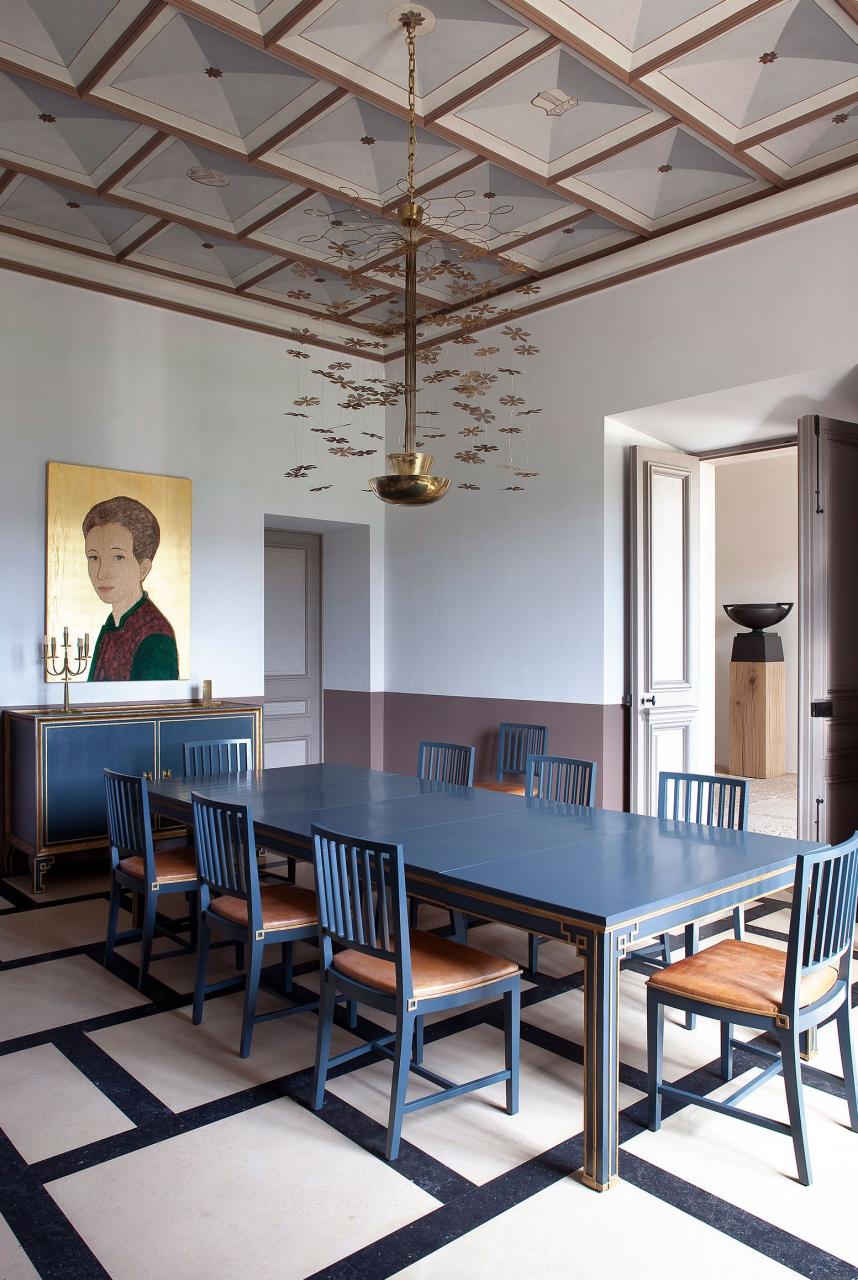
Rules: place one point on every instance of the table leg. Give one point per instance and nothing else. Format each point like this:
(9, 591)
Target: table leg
(601, 953)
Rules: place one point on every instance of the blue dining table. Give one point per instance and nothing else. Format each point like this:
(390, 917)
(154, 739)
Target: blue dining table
(595, 879)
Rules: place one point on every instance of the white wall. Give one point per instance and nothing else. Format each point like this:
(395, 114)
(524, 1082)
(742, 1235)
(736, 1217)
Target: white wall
(96, 380)
(756, 560)
(523, 595)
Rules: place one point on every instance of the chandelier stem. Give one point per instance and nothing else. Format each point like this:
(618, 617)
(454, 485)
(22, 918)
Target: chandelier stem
(410, 345)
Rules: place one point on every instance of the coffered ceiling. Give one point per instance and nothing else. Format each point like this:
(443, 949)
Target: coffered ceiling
(562, 144)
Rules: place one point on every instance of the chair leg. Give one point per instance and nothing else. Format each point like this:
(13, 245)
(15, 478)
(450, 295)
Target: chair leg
(323, 1042)
(666, 949)
(655, 1057)
(726, 1051)
(286, 958)
(692, 946)
(251, 991)
(150, 909)
(795, 1103)
(239, 955)
(194, 916)
(112, 921)
(739, 922)
(417, 1055)
(460, 927)
(402, 1054)
(353, 1014)
(413, 911)
(512, 1042)
(847, 1057)
(533, 952)
(204, 938)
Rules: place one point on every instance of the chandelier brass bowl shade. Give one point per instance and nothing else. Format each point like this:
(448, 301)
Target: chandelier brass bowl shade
(410, 482)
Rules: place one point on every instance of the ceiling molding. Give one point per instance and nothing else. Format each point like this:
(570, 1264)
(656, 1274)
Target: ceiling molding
(541, 33)
(126, 280)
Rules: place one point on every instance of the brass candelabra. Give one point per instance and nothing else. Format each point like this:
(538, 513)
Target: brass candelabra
(62, 668)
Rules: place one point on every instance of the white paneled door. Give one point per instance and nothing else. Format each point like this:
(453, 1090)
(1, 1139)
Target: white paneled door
(828, 627)
(292, 649)
(665, 571)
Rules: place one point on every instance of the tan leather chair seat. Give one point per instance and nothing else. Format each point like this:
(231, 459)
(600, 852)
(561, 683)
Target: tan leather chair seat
(283, 907)
(510, 788)
(739, 975)
(438, 967)
(171, 866)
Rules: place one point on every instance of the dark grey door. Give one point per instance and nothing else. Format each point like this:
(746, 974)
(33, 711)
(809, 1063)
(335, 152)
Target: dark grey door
(828, 628)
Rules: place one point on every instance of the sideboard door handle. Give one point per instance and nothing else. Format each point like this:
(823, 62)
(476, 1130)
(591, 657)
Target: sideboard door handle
(166, 773)
(148, 775)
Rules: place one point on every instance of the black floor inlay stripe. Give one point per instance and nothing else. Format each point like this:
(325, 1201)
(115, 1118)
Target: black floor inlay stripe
(44, 1232)
(58, 1252)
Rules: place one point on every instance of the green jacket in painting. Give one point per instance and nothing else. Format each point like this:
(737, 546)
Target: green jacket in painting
(141, 646)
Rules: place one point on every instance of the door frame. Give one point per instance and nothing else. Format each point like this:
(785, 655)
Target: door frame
(806, 484)
(286, 537)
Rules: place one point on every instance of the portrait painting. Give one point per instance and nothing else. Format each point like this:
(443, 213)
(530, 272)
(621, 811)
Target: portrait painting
(119, 570)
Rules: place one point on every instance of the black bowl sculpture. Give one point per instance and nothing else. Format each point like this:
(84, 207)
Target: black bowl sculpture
(757, 616)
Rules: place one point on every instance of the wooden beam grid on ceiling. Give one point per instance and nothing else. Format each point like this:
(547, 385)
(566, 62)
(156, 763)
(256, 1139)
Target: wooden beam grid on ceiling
(555, 34)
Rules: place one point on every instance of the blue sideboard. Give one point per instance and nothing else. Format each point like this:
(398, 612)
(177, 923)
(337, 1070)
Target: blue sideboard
(53, 761)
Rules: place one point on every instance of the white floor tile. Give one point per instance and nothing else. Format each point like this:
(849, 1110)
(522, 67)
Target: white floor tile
(36, 997)
(568, 1233)
(77, 924)
(65, 880)
(273, 1193)
(47, 1106)
(755, 1168)
(186, 1066)
(473, 1134)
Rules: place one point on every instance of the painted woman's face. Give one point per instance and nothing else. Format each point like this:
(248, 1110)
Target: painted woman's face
(113, 571)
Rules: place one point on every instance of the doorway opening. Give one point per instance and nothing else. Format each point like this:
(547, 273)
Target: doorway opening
(292, 717)
(754, 547)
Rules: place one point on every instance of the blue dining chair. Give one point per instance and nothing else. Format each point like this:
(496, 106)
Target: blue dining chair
(446, 762)
(136, 867)
(253, 916)
(221, 755)
(227, 755)
(360, 889)
(515, 743)
(782, 995)
(566, 781)
(712, 801)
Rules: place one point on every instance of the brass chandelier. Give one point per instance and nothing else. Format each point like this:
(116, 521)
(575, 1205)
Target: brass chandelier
(364, 244)
(409, 481)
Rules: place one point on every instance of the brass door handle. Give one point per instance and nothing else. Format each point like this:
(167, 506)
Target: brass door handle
(166, 773)
(148, 775)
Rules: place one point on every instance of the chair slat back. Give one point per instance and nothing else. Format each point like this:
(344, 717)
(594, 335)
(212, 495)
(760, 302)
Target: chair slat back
(826, 889)
(360, 896)
(561, 778)
(515, 743)
(223, 755)
(822, 923)
(704, 798)
(226, 850)
(446, 762)
(129, 825)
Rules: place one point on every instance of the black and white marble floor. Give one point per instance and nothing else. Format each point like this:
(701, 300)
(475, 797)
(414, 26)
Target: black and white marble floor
(136, 1145)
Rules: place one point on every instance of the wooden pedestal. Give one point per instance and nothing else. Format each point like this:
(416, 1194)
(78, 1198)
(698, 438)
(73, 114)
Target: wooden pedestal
(757, 719)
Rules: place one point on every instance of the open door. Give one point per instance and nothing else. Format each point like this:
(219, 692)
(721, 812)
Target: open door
(665, 571)
(828, 629)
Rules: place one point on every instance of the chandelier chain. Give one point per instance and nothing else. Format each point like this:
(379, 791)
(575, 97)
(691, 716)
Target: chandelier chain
(409, 25)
